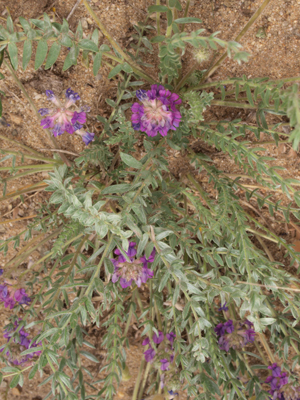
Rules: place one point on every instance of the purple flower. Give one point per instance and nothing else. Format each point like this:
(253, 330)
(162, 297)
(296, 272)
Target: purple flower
(131, 252)
(171, 336)
(44, 111)
(172, 394)
(21, 297)
(146, 341)
(220, 329)
(20, 341)
(62, 119)
(276, 371)
(150, 259)
(130, 271)
(249, 335)
(149, 354)
(79, 117)
(164, 364)
(158, 113)
(234, 335)
(229, 326)
(224, 343)
(9, 302)
(158, 339)
(223, 307)
(87, 137)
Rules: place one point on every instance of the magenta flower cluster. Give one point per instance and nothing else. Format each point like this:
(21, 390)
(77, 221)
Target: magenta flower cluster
(280, 388)
(19, 344)
(150, 353)
(157, 113)
(135, 270)
(62, 119)
(234, 335)
(10, 297)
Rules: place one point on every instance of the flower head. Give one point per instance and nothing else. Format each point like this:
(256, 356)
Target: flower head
(157, 113)
(62, 119)
(20, 343)
(134, 270)
(234, 335)
(280, 388)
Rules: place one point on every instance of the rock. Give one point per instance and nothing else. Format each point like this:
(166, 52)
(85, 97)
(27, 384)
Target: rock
(16, 119)
(84, 24)
(15, 391)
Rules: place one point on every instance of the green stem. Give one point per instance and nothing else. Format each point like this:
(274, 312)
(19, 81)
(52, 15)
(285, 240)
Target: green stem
(97, 270)
(26, 95)
(66, 277)
(3, 137)
(158, 18)
(39, 167)
(138, 379)
(116, 46)
(239, 36)
(26, 173)
(30, 157)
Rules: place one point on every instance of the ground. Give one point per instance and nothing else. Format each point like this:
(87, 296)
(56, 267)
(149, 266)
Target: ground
(273, 42)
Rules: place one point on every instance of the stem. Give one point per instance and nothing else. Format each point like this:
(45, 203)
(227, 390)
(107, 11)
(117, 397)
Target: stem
(30, 157)
(31, 188)
(239, 36)
(67, 273)
(22, 146)
(186, 10)
(138, 379)
(41, 167)
(26, 95)
(158, 18)
(116, 46)
(97, 270)
(232, 104)
(26, 173)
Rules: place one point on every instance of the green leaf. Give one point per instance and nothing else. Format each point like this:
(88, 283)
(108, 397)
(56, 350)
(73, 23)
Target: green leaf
(53, 55)
(122, 188)
(97, 63)
(13, 55)
(163, 281)
(27, 51)
(95, 37)
(14, 381)
(210, 385)
(87, 44)
(127, 68)
(115, 71)
(188, 20)
(152, 9)
(41, 53)
(10, 24)
(89, 356)
(169, 17)
(176, 4)
(157, 39)
(131, 161)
